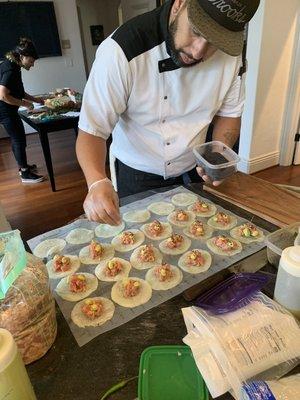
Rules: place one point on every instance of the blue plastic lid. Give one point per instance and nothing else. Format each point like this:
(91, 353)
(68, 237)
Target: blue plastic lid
(233, 293)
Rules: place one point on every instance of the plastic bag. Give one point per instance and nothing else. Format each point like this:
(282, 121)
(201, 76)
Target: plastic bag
(28, 311)
(283, 389)
(260, 340)
(12, 259)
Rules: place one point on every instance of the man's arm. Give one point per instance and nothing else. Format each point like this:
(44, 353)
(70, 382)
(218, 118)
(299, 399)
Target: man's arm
(226, 129)
(104, 100)
(91, 155)
(101, 203)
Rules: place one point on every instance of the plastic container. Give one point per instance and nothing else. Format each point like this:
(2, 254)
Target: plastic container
(218, 160)
(170, 373)
(287, 287)
(233, 293)
(15, 384)
(277, 241)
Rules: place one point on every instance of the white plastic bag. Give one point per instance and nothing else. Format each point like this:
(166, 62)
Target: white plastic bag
(231, 348)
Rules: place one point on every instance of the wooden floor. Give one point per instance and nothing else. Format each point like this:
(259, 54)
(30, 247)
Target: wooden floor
(281, 175)
(34, 209)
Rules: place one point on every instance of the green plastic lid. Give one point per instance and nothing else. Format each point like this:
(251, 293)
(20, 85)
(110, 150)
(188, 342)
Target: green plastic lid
(170, 373)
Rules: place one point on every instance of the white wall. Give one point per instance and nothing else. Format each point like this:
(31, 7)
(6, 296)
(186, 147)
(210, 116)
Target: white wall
(97, 12)
(270, 52)
(67, 70)
(132, 8)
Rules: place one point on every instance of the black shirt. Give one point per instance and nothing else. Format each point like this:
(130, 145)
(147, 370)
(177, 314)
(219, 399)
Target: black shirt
(11, 78)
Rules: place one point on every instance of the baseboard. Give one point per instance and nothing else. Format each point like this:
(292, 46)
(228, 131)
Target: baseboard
(259, 163)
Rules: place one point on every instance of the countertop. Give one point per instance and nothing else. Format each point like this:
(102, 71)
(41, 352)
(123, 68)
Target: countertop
(71, 372)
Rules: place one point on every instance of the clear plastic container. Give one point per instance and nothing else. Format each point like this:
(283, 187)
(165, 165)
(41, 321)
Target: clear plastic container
(279, 240)
(218, 160)
(287, 288)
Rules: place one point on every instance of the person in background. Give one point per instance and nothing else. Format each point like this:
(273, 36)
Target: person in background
(13, 96)
(157, 83)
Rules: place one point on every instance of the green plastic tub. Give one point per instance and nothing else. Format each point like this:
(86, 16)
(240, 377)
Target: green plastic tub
(170, 373)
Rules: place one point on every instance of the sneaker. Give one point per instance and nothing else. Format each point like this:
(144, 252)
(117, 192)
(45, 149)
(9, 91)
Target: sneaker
(30, 177)
(32, 168)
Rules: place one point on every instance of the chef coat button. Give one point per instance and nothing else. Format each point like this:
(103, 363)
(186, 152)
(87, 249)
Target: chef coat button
(165, 97)
(163, 121)
(168, 143)
(168, 163)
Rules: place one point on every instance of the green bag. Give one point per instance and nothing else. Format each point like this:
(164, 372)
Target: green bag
(12, 259)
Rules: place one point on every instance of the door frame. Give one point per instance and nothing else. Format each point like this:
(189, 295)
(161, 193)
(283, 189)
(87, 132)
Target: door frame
(292, 109)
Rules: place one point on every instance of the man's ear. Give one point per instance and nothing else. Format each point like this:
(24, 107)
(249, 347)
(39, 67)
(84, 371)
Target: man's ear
(177, 6)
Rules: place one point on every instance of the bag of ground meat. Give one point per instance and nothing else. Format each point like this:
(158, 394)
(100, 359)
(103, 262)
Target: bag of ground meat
(28, 310)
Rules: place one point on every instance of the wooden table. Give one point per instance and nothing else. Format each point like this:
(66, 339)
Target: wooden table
(70, 372)
(43, 128)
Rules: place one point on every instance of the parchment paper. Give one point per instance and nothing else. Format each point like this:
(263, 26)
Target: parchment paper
(123, 315)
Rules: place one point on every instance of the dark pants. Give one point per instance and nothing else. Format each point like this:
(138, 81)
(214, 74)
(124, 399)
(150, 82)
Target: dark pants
(131, 181)
(15, 129)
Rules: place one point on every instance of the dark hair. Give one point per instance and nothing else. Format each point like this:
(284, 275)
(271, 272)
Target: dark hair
(26, 48)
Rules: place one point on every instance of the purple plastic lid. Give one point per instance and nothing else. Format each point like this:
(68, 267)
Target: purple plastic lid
(233, 293)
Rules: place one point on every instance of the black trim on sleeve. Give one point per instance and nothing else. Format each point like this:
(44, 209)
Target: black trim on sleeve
(144, 32)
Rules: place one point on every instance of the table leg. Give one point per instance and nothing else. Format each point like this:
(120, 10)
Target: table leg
(47, 155)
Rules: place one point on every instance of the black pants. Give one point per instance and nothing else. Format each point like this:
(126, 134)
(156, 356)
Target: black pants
(15, 129)
(131, 181)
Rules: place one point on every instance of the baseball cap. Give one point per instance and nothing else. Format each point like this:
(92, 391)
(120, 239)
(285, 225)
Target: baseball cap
(222, 22)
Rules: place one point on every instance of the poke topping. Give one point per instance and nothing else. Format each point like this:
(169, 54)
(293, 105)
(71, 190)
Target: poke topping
(222, 218)
(92, 308)
(113, 268)
(96, 249)
(131, 287)
(146, 253)
(127, 238)
(200, 206)
(163, 272)
(77, 283)
(248, 230)
(197, 228)
(155, 228)
(181, 216)
(225, 243)
(174, 241)
(195, 259)
(61, 263)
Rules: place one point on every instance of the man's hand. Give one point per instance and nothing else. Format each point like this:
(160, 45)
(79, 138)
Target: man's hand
(102, 204)
(206, 178)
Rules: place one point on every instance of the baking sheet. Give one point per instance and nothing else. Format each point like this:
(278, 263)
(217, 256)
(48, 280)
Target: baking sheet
(123, 315)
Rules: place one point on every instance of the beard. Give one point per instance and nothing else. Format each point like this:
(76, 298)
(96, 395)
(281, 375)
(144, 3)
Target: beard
(173, 51)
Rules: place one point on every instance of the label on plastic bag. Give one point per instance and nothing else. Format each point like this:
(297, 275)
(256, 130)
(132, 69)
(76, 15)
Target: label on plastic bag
(12, 259)
(257, 335)
(257, 390)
